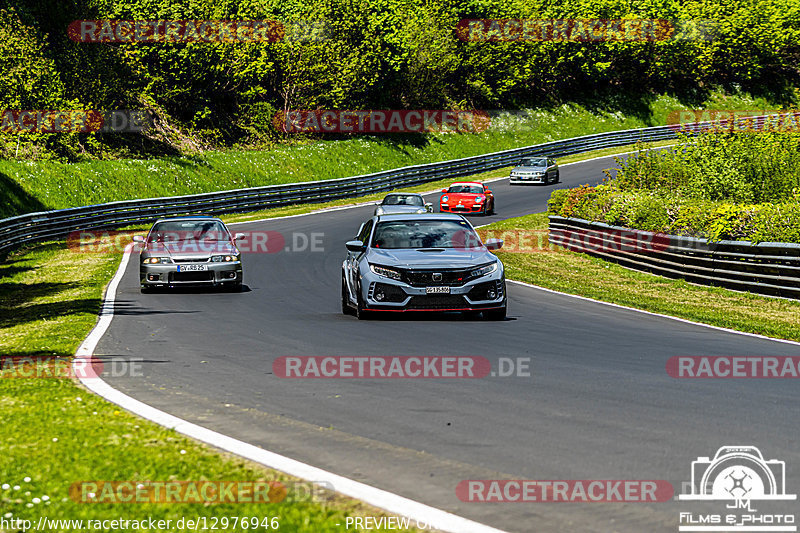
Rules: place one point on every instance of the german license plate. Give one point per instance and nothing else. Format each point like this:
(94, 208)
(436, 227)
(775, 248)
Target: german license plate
(191, 268)
(437, 290)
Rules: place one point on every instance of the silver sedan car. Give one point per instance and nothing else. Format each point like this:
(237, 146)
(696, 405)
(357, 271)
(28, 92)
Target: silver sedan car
(403, 202)
(433, 262)
(189, 251)
(535, 170)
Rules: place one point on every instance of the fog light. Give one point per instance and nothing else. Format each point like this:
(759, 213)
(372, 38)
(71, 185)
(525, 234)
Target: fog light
(379, 295)
(152, 277)
(491, 294)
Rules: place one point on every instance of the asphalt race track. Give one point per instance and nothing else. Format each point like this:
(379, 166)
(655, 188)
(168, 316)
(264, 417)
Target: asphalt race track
(598, 404)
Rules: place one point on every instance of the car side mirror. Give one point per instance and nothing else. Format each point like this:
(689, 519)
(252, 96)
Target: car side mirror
(355, 246)
(138, 238)
(444, 190)
(488, 191)
(238, 236)
(494, 244)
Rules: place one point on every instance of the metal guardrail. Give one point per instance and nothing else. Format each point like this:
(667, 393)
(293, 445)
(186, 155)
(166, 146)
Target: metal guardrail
(771, 268)
(49, 225)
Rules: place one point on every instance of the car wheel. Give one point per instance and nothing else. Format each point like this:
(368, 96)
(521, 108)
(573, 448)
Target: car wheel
(558, 177)
(346, 309)
(496, 314)
(492, 211)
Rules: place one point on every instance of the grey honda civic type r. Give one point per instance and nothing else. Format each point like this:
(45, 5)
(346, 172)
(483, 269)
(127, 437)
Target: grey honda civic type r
(415, 262)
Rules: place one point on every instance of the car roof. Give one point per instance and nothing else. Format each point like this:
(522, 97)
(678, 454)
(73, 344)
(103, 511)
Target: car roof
(421, 216)
(194, 217)
(466, 183)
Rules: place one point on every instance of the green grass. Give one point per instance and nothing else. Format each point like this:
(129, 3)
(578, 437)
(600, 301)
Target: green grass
(35, 185)
(56, 433)
(575, 273)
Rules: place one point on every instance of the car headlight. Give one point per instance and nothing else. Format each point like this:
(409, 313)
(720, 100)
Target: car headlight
(155, 260)
(445, 198)
(478, 199)
(421, 210)
(224, 258)
(385, 272)
(484, 270)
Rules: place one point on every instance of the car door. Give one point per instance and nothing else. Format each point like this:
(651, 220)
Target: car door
(353, 258)
(552, 168)
(489, 196)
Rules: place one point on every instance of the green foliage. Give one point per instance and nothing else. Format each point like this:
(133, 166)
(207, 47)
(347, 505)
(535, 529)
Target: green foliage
(376, 54)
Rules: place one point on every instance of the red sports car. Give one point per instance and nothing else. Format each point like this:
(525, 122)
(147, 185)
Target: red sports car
(467, 197)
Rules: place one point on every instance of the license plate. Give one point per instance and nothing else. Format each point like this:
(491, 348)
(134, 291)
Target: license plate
(437, 290)
(191, 268)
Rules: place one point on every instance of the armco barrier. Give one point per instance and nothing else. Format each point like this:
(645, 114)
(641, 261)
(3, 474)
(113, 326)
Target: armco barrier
(47, 225)
(771, 268)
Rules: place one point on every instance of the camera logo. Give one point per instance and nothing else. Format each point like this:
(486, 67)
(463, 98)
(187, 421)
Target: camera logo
(738, 475)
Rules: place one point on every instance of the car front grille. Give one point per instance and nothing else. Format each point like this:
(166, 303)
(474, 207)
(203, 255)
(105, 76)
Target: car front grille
(437, 302)
(191, 260)
(424, 278)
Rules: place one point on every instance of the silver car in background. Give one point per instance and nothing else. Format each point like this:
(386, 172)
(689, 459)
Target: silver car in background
(403, 202)
(189, 251)
(535, 170)
(433, 262)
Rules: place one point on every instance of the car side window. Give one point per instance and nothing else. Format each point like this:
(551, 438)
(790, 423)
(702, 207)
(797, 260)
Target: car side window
(366, 229)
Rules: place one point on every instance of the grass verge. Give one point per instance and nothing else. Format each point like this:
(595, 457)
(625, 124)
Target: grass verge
(39, 185)
(55, 433)
(588, 276)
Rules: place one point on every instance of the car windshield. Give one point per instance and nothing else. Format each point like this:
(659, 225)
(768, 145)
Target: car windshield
(417, 234)
(468, 189)
(403, 199)
(188, 230)
(536, 162)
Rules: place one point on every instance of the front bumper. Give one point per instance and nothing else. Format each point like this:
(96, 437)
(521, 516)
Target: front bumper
(163, 275)
(477, 208)
(527, 179)
(383, 294)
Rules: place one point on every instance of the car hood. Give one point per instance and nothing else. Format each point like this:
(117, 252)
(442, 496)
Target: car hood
(530, 169)
(447, 258)
(188, 249)
(389, 209)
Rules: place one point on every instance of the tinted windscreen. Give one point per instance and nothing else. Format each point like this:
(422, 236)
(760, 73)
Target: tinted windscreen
(468, 189)
(402, 199)
(424, 234)
(534, 163)
(187, 230)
